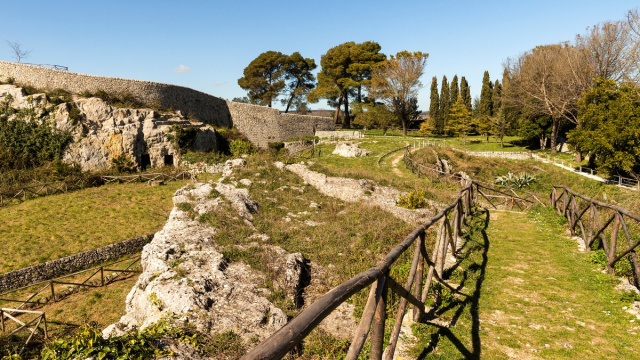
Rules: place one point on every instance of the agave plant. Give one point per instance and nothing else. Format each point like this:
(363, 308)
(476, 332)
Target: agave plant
(518, 181)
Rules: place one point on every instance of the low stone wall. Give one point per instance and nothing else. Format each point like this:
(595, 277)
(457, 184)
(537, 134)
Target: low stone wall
(339, 134)
(515, 155)
(263, 125)
(54, 268)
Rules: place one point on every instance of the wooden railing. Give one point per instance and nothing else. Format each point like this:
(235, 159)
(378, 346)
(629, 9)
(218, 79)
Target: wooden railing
(504, 198)
(591, 227)
(18, 195)
(43, 189)
(373, 319)
(125, 179)
(48, 288)
(32, 326)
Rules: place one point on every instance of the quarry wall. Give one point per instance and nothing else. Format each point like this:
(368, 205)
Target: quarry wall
(70, 264)
(260, 124)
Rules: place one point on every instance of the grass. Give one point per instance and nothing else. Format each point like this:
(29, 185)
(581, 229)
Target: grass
(55, 226)
(542, 300)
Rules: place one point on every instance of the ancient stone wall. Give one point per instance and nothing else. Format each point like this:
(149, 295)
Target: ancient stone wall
(207, 108)
(261, 124)
(70, 264)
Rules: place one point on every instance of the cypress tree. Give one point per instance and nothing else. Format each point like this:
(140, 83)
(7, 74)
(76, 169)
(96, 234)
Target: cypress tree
(454, 91)
(434, 107)
(465, 93)
(444, 104)
(497, 97)
(486, 101)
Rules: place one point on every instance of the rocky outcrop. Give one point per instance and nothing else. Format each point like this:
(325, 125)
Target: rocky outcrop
(187, 279)
(185, 274)
(363, 191)
(350, 150)
(102, 132)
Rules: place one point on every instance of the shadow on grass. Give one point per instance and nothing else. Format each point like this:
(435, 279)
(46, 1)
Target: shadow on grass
(473, 261)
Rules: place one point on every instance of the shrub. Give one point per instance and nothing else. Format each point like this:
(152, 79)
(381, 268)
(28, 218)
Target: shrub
(413, 200)
(123, 163)
(183, 137)
(276, 146)
(241, 147)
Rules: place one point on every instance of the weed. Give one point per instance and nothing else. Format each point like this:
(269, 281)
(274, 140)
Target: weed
(413, 200)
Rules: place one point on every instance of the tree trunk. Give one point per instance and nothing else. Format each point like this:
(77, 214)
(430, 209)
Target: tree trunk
(346, 124)
(404, 127)
(501, 142)
(555, 129)
(578, 156)
(543, 141)
(335, 120)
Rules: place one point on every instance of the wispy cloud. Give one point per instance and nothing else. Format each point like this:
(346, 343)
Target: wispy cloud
(182, 69)
(220, 83)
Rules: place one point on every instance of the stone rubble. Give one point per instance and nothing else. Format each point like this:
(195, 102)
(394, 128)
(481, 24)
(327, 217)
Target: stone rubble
(350, 150)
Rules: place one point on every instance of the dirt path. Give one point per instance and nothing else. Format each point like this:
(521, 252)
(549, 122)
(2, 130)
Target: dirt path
(394, 164)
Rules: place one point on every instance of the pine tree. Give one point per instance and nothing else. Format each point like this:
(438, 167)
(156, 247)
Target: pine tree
(486, 101)
(465, 93)
(444, 104)
(454, 91)
(434, 107)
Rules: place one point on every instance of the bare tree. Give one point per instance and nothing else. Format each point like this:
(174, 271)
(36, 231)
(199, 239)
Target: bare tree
(609, 47)
(18, 52)
(396, 83)
(633, 20)
(549, 80)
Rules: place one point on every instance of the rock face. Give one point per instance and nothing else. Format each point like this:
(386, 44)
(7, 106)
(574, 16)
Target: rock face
(102, 132)
(184, 274)
(350, 150)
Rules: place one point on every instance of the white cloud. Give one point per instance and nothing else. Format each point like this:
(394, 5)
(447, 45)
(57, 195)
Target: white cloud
(220, 83)
(182, 69)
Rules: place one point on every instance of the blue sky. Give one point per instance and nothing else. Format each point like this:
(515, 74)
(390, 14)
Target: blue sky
(216, 40)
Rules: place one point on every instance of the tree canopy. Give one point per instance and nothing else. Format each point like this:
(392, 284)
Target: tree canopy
(273, 73)
(396, 83)
(346, 68)
(609, 130)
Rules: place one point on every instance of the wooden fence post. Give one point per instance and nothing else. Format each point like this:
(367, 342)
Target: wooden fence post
(2, 319)
(53, 293)
(418, 312)
(101, 275)
(613, 244)
(379, 319)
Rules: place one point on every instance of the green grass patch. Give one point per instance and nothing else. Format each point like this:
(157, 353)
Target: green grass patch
(55, 226)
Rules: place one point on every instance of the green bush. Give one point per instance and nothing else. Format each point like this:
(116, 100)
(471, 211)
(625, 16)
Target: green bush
(123, 164)
(241, 147)
(89, 343)
(413, 200)
(621, 268)
(183, 137)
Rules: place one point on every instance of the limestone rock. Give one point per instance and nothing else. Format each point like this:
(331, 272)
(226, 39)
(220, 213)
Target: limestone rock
(102, 132)
(20, 99)
(350, 150)
(184, 274)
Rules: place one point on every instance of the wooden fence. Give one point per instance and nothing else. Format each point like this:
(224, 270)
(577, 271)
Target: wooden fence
(591, 227)
(503, 198)
(32, 326)
(126, 179)
(44, 189)
(48, 288)
(449, 222)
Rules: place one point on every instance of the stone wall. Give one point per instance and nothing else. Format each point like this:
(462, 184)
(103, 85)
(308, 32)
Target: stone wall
(70, 264)
(261, 124)
(342, 135)
(514, 155)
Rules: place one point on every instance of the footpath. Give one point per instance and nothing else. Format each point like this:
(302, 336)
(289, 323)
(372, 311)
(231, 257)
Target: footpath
(543, 299)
